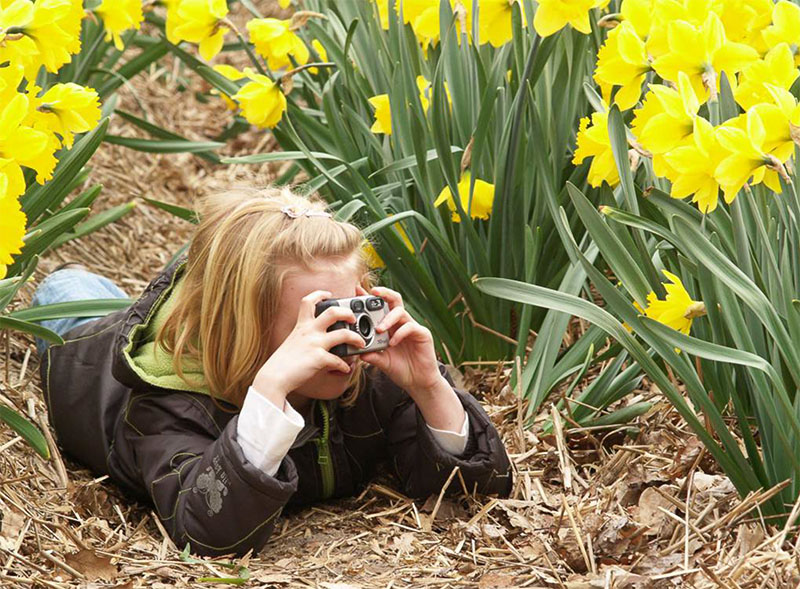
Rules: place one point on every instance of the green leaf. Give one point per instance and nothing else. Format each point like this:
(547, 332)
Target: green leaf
(163, 145)
(278, 156)
(43, 235)
(160, 133)
(8, 322)
(26, 430)
(617, 256)
(178, 211)
(94, 223)
(87, 308)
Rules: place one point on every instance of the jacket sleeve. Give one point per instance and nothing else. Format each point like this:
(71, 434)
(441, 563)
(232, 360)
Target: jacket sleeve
(205, 491)
(421, 463)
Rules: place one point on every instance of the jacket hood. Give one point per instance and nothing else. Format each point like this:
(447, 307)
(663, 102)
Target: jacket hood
(138, 363)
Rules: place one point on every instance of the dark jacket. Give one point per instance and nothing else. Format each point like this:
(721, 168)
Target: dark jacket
(178, 449)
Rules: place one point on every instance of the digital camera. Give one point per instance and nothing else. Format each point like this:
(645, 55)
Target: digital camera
(369, 311)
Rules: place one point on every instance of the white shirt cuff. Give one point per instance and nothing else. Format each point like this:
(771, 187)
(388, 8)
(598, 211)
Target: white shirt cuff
(266, 433)
(453, 442)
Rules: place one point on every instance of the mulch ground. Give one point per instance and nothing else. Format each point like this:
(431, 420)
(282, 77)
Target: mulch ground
(639, 506)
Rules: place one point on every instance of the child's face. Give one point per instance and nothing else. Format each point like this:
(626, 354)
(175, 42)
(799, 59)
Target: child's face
(339, 277)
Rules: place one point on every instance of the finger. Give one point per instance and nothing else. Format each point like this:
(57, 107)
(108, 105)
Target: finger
(377, 359)
(342, 336)
(309, 302)
(393, 297)
(409, 329)
(397, 316)
(360, 290)
(333, 314)
(334, 362)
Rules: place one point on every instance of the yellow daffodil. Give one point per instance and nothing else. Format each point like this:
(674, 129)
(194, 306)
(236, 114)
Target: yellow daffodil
(68, 109)
(284, 3)
(374, 260)
(622, 61)
(593, 141)
(201, 22)
(14, 15)
(10, 78)
(745, 159)
(119, 16)
(781, 120)
(482, 199)
(231, 73)
(45, 32)
(702, 52)
(677, 310)
(776, 69)
(18, 143)
(383, 114)
(639, 13)
(494, 20)
(663, 12)
(383, 13)
(745, 21)
(55, 30)
(785, 27)
(666, 118)
(694, 164)
(12, 228)
(261, 99)
(553, 15)
(424, 21)
(276, 42)
(323, 55)
(44, 162)
(19, 50)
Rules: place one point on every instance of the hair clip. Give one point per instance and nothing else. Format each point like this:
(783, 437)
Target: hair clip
(290, 212)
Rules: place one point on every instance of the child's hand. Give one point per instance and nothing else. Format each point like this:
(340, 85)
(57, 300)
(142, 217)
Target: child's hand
(410, 360)
(305, 351)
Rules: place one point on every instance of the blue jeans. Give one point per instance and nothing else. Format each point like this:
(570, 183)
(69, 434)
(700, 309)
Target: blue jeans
(71, 284)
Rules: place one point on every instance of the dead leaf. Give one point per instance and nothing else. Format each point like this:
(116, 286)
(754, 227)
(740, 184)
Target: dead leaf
(273, 578)
(497, 581)
(404, 544)
(13, 522)
(447, 509)
(516, 519)
(650, 512)
(493, 531)
(92, 566)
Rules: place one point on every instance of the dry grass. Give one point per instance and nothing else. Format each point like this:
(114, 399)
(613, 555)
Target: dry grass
(644, 508)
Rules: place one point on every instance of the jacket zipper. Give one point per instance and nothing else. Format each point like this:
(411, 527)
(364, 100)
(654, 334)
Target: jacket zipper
(324, 454)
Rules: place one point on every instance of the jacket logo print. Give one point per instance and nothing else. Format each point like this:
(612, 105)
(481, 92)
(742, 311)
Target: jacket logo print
(213, 488)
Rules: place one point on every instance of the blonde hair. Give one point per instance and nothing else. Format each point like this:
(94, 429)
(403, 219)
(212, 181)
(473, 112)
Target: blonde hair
(240, 254)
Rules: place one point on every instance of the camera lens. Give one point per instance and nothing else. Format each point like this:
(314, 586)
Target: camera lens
(374, 303)
(356, 305)
(365, 326)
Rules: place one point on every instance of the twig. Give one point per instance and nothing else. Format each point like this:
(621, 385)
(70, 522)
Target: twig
(577, 533)
(441, 494)
(62, 565)
(61, 470)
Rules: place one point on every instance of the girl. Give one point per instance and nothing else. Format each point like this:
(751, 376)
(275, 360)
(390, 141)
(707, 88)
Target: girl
(215, 396)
